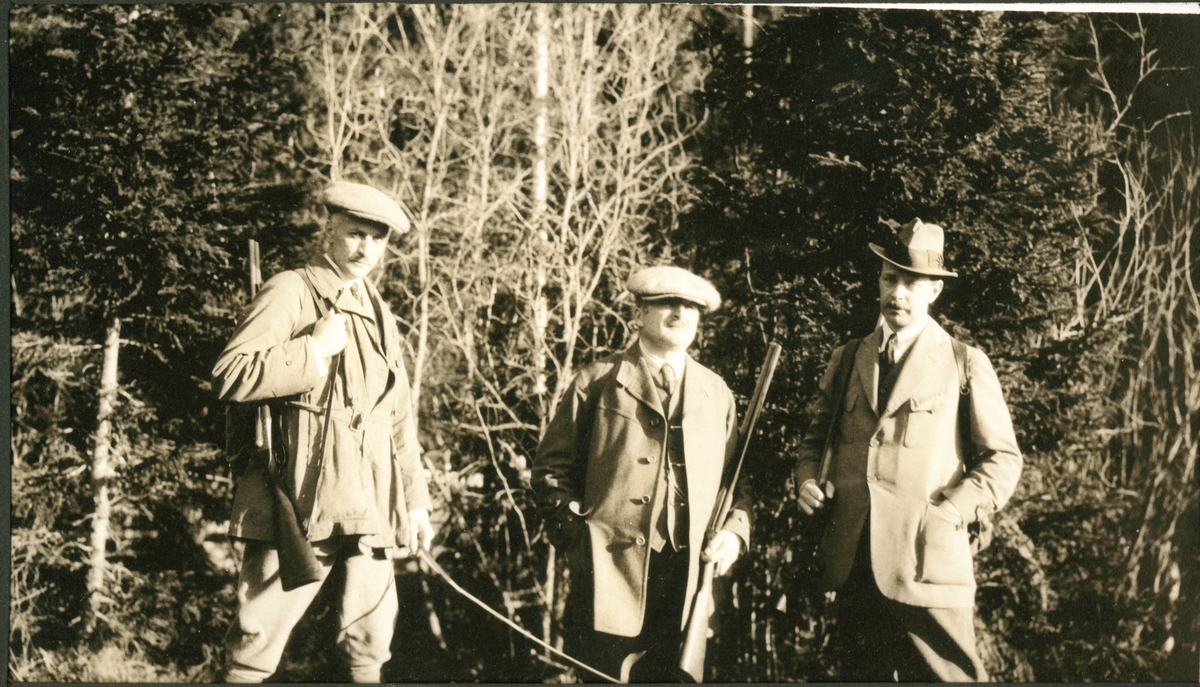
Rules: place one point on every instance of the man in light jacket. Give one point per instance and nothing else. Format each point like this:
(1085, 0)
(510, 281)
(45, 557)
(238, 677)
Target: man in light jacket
(903, 486)
(354, 477)
(627, 477)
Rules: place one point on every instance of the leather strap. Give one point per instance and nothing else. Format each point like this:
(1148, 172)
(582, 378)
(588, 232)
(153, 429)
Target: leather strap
(841, 382)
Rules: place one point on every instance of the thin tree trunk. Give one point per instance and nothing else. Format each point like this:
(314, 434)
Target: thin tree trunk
(101, 472)
(541, 92)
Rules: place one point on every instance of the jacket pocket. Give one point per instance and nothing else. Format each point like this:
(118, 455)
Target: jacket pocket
(856, 426)
(944, 549)
(922, 417)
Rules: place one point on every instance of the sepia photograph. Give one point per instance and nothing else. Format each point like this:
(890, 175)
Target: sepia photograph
(604, 343)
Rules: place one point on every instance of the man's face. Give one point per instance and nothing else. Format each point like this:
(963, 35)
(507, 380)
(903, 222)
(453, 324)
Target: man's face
(355, 245)
(904, 297)
(668, 326)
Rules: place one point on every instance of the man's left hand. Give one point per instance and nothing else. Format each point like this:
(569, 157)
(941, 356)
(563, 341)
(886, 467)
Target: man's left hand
(419, 530)
(723, 551)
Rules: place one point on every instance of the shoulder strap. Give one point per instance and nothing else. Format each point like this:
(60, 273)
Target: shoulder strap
(322, 308)
(964, 401)
(841, 381)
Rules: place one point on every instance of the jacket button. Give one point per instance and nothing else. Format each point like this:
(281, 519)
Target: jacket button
(645, 499)
(641, 541)
(654, 422)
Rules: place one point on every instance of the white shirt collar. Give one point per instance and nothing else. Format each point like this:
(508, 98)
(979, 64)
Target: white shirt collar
(905, 336)
(655, 363)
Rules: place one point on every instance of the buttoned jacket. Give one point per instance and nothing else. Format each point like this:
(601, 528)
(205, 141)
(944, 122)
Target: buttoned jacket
(605, 449)
(368, 474)
(901, 463)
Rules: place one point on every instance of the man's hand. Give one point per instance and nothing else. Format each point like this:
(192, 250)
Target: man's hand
(420, 532)
(811, 497)
(329, 335)
(723, 551)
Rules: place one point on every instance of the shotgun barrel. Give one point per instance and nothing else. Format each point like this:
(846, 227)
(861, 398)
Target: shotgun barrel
(297, 563)
(695, 643)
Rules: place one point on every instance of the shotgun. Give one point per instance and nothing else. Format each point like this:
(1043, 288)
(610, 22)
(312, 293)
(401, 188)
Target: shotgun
(297, 564)
(695, 643)
(809, 566)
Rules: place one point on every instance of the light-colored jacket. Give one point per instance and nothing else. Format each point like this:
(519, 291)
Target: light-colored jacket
(604, 448)
(901, 462)
(370, 475)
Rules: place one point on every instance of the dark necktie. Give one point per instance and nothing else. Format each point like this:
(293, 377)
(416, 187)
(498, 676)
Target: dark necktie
(675, 497)
(887, 364)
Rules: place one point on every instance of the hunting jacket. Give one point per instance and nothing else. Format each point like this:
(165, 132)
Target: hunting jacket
(366, 476)
(900, 463)
(604, 448)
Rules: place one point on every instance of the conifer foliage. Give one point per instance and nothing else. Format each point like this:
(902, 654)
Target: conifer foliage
(544, 152)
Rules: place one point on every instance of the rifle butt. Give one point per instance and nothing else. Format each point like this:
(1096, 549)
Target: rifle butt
(297, 563)
(695, 643)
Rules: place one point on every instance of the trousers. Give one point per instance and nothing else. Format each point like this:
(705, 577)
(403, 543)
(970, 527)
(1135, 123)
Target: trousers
(653, 655)
(878, 639)
(267, 614)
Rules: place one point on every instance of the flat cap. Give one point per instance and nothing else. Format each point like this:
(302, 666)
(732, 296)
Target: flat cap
(669, 282)
(366, 202)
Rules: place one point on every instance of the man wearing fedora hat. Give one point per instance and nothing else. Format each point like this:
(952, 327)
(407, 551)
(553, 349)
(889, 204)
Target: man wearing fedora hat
(913, 469)
(321, 347)
(627, 477)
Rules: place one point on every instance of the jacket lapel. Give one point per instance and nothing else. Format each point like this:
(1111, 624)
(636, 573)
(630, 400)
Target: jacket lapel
(696, 399)
(924, 356)
(634, 376)
(866, 367)
(324, 280)
(370, 298)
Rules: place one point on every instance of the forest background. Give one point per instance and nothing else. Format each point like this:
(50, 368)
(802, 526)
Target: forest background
(543, 152)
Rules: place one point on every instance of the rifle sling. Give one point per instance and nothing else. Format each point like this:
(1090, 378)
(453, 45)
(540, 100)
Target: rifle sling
(335, 367)
(840, 382)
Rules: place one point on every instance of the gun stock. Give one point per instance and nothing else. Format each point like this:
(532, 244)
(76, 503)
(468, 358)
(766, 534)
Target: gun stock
(695, 643)
(695, 640)
(297, 563)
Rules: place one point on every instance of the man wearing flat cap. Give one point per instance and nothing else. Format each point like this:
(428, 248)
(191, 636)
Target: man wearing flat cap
(626, 478)
(923, 451)
(321, 347)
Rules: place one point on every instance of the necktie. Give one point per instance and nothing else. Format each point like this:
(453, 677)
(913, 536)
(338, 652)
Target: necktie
(674, 467)
(354, 291)
(667, 380)
(887, 363)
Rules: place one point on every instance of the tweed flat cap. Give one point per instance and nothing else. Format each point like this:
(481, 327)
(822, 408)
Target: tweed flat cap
(366, 202)
(917, 249)
(666, 281)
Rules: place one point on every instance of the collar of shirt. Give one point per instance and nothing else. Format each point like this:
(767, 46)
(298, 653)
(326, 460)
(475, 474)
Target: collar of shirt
(655, 363)
(904, 337)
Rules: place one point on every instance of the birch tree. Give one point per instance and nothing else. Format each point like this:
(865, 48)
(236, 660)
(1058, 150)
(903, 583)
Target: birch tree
(541, 152)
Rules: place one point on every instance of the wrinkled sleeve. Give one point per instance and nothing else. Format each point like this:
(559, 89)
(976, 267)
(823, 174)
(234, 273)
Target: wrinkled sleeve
(739, 520)
(989, 485)
(407, 450)
(262, 361)
(561, 462)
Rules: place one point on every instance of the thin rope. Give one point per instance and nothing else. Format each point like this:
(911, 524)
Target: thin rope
(425, 556)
